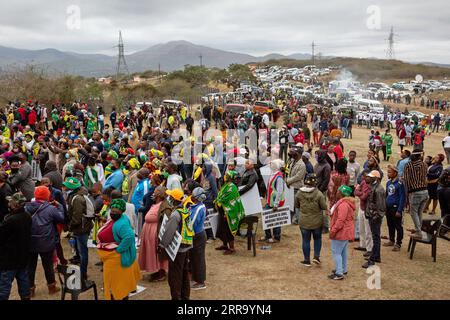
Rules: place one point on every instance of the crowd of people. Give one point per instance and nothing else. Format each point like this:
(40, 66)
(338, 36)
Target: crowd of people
(134, 185)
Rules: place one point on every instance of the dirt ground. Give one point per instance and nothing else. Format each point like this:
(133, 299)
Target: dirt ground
(278, 274)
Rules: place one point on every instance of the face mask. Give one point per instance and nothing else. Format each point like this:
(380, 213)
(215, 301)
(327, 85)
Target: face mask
(14, 170)
(169, 201)
(115, 216)
(67, 156)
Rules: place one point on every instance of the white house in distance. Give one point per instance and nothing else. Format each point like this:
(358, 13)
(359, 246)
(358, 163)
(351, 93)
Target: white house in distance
(105, 80)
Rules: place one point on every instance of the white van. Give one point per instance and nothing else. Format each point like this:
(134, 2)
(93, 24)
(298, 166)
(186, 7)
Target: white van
(370, 103)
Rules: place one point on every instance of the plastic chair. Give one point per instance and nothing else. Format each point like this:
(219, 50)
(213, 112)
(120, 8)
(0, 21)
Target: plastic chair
(64, 276)
(444, 229)
(428, 237)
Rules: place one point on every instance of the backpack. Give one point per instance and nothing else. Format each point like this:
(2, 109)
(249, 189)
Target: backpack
(90, 211)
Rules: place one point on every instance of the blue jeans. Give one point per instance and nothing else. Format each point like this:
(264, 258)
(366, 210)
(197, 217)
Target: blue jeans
(339, 250)
(7, 278)
(306, 242)
(82, 240)
(101, 125)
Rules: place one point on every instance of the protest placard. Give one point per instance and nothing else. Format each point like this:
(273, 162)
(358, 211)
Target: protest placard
(289, 197)
(271, 219)
(173, 247)
(251, 201)
(266, 173)
(162, 229)
(212, 221)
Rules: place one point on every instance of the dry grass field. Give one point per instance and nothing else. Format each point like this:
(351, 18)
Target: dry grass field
(277, 273)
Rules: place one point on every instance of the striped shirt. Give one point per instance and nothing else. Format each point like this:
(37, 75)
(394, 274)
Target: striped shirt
(415, 176)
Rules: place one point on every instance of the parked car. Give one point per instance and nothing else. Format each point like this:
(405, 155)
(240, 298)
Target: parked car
(263, 106)
(235, 108)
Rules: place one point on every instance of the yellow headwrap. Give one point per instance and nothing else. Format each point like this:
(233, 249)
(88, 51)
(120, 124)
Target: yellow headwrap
(134, 163)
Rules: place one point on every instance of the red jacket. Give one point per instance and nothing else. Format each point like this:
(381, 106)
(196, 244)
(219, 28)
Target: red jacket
(341, 224)
(32, 117)
(23, 113)
(362, 191)
(339, 152)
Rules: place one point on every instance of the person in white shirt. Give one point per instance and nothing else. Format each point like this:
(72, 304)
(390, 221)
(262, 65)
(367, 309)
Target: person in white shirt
(446, 145)
(266, 120)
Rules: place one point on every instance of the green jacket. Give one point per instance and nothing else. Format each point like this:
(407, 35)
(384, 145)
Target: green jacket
(78, 224)
(311, 203)
(124, 236)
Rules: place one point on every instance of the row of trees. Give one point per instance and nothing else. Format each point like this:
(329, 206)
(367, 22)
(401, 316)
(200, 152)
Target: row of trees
(34, 83)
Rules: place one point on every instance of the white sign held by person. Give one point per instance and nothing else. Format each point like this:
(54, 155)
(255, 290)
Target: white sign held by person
(279, 218)
(289, 196)
(162, 229)
(173, 247)
(266, 173)
(251, 201)
(212, 221)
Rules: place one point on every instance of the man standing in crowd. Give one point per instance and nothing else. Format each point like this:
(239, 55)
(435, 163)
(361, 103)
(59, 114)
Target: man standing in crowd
(249, 178)
(115, 179)
(395, 202)
(353, 169)
(79, 224)
(197, 254)
(178, 279)
(415, 179)
(446, 146)
(15, 239)
(297, 173)
(375, 211)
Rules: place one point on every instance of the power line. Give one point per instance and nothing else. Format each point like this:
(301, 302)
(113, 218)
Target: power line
(121, 63)
(390, 53)
(313, 57)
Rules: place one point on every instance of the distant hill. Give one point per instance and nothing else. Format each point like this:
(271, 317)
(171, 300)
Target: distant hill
(174, 55)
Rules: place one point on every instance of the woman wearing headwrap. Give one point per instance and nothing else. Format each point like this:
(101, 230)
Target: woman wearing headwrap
(117, 250)
(342, 230)
(149, 259)
(130, 181)
(231, 212)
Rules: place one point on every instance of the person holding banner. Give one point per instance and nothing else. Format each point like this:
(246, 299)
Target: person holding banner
(275, 197)
(117, 250)
(342, 230)
(249, 178)
(179, 220)
(231, 212)
(197, 255)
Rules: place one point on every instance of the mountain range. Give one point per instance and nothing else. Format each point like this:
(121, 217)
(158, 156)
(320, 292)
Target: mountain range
(173, 55)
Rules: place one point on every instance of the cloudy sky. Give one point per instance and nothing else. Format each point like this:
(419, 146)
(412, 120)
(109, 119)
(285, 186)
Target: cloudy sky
(356, 28)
